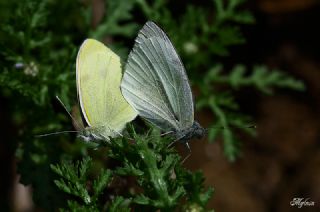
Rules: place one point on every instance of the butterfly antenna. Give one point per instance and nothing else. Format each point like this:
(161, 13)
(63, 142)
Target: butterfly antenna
(230, 127)
(65, 108)
(56, 133)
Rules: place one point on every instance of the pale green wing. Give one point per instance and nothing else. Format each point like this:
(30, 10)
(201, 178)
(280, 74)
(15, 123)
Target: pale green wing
(155, 82)
(98, 84)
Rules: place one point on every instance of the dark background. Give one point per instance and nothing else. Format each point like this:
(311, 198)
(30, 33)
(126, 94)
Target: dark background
(283, 161)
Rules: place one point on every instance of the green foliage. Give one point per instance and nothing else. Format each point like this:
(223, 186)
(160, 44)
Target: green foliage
(117, 22)
(116, 13)
(224, 106)
(202, 36)
(197, 195)
(261, 78)
(29, 67)
(157, 171)
(154, 169)
(74, 181)
(38, 45)
(37, 59)
(119, 204)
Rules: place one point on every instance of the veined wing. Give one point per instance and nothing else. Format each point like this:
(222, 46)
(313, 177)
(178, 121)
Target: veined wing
(98, 85)
(155, 82)
(150, 30)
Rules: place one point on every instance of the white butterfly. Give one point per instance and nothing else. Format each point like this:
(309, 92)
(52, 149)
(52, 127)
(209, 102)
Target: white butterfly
(156, 85)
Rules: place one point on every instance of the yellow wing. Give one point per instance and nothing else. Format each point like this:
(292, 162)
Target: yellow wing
(98, 71)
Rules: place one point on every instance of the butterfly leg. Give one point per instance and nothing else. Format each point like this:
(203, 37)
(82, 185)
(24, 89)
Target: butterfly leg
(116, 132)
(173, 142)
(188, 147)
(166, 133)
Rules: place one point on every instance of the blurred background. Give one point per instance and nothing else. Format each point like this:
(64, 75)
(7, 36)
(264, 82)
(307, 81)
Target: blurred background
(249, 63)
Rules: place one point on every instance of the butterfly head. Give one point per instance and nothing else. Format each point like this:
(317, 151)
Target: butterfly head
(86, 135)
(90, 134)
(197, 130)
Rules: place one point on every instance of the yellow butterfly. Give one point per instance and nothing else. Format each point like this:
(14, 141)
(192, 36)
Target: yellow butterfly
(104, 109)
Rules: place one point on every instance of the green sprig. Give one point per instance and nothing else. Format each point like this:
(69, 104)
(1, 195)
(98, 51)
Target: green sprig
(154, 166)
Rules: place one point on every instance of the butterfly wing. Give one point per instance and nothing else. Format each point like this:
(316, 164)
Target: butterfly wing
(98, 84)
(155, 82)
